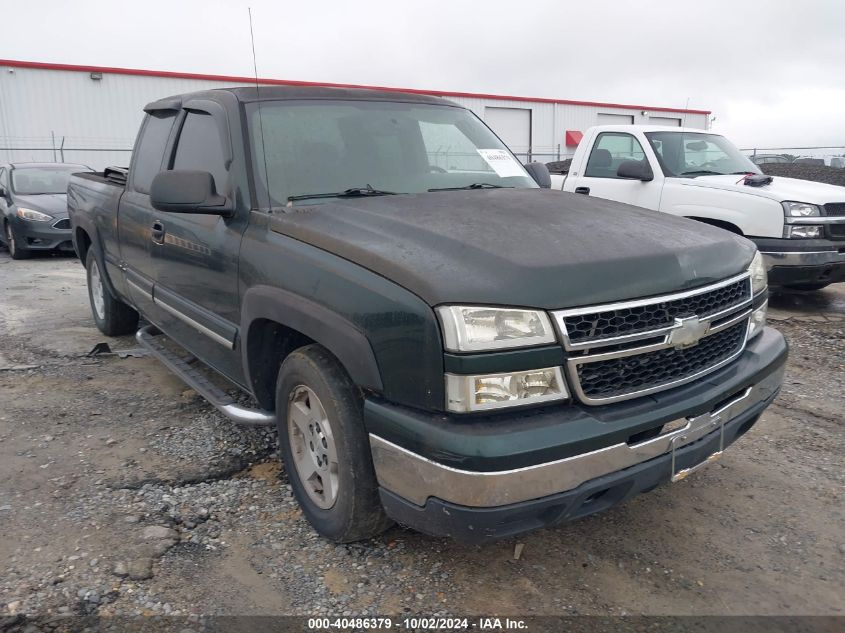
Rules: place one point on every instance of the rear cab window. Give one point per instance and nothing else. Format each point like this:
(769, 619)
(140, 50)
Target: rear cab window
(149, 153)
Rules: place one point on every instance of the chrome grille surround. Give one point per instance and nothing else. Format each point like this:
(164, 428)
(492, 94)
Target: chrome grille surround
(669, 334)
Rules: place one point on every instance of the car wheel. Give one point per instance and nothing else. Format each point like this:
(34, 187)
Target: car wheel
(807, 287)
(14, 248)
(113, 317)
(325, 447)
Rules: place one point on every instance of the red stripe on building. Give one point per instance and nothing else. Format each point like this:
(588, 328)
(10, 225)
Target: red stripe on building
(12, 63)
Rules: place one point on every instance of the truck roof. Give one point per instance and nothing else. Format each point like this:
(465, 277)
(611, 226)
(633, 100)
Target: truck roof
(248, 94)
(649, 128)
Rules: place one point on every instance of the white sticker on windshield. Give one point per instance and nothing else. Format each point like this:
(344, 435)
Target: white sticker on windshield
(502, 163)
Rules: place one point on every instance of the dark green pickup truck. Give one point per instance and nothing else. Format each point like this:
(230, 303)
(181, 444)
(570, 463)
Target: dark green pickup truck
(441, 340)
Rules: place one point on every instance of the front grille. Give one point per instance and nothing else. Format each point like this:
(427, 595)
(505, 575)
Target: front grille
(64, 224)
(629, 375)
(837, 230)
(625, 350)
(642, 318)
(835, 208)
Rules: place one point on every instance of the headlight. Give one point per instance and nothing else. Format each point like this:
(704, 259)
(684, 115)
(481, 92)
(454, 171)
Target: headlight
(802, 231)
(32, 214)
(759, 277)
(494, 391)
(758, 320)
(472, 329)
(800, 209)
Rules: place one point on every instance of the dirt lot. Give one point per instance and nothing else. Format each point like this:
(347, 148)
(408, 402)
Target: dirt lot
(122, 493)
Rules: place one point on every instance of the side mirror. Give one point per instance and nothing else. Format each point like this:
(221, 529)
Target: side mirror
(4, 193)
(187, 191)
(540, 173)
(635, 170)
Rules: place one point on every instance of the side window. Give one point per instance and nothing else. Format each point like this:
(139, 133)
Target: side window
(200, 148)
(150, 151)
(611, 150)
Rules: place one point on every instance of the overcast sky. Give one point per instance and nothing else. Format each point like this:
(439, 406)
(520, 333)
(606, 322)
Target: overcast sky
(772, 71)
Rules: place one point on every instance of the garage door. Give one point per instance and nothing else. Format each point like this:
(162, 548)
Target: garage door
(513, 126)
(664, 120)
(614, 119)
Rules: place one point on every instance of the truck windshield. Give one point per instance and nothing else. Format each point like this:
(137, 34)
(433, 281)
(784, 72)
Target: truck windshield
(304, 148)
(693, 154)
(27, 181)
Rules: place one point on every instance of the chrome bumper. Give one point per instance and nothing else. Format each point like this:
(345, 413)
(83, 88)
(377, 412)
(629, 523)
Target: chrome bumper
(417, 478)
(806, 258)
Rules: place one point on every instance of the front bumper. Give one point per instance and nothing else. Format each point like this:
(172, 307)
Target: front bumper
(431, 491)
(42, 236)
(803, 261)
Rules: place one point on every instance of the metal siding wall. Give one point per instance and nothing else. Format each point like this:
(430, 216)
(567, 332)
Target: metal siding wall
(102, 114)
(105, 114)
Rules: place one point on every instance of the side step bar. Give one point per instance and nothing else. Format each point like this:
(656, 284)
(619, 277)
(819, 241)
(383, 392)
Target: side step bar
(150, 339)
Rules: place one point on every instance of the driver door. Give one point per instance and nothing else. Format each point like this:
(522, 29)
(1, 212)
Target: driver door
(609, 151)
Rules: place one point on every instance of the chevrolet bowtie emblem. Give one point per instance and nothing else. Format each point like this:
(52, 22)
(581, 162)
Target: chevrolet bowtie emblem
(687, 332)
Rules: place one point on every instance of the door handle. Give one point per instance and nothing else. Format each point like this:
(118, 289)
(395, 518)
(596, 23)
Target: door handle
(584, 190)
(157, 232)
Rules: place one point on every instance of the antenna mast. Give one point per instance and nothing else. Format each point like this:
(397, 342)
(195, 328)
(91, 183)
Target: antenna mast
(260, 120)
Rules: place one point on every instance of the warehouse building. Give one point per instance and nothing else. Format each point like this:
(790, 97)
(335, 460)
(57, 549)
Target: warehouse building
(90, 114)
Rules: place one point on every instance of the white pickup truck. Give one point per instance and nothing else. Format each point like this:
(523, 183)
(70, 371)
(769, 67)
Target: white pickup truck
(798, 225)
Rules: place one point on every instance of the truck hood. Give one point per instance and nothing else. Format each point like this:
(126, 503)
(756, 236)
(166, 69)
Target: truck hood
(779, 190)
(54, 204)
(519, 247)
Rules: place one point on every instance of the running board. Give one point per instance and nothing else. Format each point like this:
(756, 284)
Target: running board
(150, 339)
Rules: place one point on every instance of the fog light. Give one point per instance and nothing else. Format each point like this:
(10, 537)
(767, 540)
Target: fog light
(494, 391)
(757, 321)
(802, 231)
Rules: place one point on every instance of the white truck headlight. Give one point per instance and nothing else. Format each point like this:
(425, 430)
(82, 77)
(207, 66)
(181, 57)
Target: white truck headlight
(33, 215)
(802, 231)
(800, 209)
(759, 276)
(479, 328)
(494, 391)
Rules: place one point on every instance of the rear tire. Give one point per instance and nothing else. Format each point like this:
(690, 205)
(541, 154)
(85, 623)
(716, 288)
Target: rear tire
(808, 287)
(113, 317)
(325, 448)
(15, 250)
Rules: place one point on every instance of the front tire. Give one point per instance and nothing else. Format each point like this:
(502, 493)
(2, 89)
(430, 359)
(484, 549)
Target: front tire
(325, 448)
(15, 250)
(113, 317)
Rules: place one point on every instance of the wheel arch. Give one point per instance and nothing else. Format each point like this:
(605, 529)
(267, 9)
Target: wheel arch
(722, 224)
(275, 322)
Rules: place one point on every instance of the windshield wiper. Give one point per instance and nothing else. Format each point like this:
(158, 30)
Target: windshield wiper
(475, 185)
(353, 192)
(702, 172)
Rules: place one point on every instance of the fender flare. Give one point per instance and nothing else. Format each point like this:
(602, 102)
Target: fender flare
(325, 327)
(94, 235)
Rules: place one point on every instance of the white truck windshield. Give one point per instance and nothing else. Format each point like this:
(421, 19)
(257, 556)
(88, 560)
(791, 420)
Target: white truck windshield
(693, 154)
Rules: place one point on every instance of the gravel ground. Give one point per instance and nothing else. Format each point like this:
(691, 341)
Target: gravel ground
(819, 173)
(123, 493)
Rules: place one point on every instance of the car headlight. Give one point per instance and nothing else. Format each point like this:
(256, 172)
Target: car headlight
(802, 231)
(758, 320)
(800, 209)
(759, 276)
(494, 391)
(473, 329)
(33, 215)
